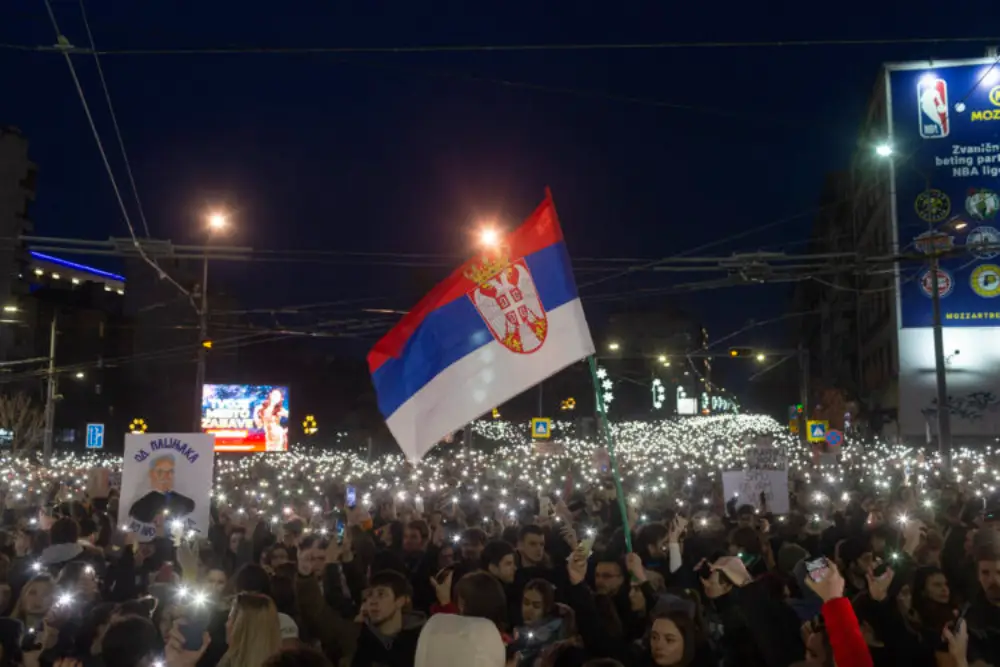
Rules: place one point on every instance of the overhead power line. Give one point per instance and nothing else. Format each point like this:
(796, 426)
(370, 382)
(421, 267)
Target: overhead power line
(114, 120)
(510, 48)
(65, 47)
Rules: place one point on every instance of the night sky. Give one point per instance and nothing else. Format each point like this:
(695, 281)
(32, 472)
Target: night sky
(649, 152)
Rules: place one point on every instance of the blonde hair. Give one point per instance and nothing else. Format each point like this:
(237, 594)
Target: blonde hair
(256, 633)
(19, 611)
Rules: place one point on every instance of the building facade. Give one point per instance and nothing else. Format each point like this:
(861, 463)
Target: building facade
(920, 183)
(18, 183)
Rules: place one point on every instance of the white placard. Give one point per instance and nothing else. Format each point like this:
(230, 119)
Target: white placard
(167, 477)
(766, 472)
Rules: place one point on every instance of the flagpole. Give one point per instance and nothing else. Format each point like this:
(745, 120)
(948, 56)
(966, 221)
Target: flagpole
(610, 440)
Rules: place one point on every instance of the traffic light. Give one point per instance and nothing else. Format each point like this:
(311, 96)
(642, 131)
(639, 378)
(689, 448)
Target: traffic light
(799, 409)
(740, 352)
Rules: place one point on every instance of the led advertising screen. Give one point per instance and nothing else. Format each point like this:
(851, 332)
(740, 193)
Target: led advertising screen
(946, 142)
(246, 417)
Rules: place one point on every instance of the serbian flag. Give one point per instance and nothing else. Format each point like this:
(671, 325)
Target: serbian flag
(501, 323)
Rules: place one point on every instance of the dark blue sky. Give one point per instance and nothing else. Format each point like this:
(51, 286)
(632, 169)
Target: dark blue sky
(403, 152)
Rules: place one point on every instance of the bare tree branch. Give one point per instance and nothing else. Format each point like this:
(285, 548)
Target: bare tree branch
(23, 420)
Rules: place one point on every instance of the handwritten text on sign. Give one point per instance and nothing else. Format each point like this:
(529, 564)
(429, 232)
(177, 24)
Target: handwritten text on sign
(766, 473)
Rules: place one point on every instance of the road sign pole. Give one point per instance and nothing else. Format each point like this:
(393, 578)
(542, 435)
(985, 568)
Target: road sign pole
(804, 393)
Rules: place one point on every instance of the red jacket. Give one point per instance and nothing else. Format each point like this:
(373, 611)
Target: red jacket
(846, 640)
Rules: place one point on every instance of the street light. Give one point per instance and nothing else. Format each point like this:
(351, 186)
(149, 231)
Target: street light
(883, 150)
(943, 409)
(761, 357)
(614, 347)
(80, 375)
(489, 237)
(218, 222)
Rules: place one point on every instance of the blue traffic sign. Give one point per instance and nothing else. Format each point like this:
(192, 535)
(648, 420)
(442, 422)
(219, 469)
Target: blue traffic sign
(816, 430)
(95, 436)
(541, 428)
(834, 438)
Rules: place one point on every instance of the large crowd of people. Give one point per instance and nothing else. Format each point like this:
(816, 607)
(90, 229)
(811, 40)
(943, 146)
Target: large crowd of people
(487, 560)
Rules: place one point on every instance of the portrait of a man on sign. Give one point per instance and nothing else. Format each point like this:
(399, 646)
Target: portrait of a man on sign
(166, 484)
(162, 496)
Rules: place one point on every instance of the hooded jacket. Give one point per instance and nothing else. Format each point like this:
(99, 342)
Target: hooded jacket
(448, 640)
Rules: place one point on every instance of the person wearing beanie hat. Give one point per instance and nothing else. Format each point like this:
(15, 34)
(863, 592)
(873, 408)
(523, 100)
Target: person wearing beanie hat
(789, 554)
(449, 640)
(856, 556)
(808, 606)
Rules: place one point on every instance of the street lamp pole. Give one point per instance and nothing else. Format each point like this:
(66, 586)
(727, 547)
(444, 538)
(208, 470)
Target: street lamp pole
(199, 384)
(940, 371)
(943, 413)
(50, 396)
(217, 222)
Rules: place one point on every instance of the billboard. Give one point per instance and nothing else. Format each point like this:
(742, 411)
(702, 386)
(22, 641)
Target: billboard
(246, 417)
(946, 137)
(944, 128)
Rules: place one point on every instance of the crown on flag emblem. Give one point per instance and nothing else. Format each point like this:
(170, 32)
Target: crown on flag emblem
(507, 299)
(488, 267)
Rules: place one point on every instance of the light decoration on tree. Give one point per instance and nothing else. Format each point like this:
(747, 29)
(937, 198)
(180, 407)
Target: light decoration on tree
(659, 393)
(606, 387)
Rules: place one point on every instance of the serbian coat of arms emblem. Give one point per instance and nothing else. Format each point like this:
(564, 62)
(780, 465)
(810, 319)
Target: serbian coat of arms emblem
(506, 298)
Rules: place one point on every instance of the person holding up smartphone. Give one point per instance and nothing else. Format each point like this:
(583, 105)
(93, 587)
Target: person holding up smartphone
(840, 624)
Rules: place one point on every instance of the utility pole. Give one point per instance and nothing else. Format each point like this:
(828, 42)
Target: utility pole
(803, 392)
(944, 416)
(199, 383)
(50, 395)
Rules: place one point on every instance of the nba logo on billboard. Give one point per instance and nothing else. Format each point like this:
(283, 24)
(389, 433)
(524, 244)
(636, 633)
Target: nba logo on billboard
(932, 107)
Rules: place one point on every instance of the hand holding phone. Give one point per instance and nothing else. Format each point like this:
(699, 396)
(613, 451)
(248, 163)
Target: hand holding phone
(818, 569)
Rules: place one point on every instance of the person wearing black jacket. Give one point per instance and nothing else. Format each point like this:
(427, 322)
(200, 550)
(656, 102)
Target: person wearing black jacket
(420, 557)
(389, 637)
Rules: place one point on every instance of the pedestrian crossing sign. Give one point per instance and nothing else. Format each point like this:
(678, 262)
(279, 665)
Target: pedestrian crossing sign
(817, 430)
(541, 428)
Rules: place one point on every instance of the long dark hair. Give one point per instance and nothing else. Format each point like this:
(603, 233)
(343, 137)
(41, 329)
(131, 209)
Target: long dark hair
(480, 594)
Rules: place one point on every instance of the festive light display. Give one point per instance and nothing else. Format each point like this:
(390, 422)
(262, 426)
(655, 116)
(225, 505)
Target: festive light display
(309, 425)
(606, 387)
(568, 404)
(138, 426)
(659, 393)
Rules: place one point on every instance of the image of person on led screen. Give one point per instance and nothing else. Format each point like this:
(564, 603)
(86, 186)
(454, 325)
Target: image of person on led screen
(269, 417)
(246, 417)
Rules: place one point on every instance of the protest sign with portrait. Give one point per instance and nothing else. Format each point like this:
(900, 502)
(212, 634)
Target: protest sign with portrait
(166, 479)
